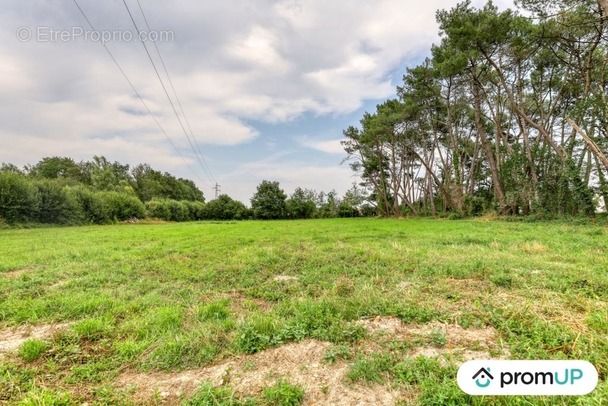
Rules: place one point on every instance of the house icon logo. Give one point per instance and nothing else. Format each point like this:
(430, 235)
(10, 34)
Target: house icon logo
(483, 378)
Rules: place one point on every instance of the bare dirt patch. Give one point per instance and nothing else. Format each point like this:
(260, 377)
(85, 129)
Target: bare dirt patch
(17, 272)
(285, 278)
(303, 364)
(12, 338)
(299, 363)
(449, 341)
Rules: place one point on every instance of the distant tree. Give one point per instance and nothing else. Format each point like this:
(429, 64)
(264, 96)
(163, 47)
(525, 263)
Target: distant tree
(329, 205)
(355, 196)
(150, 184)
(301, 204)
(57, 167)
(10, 168)
(269, 202)
(109, 176)
(346, 210)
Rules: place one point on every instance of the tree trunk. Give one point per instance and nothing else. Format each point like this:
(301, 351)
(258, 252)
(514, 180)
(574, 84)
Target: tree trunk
(500, 195)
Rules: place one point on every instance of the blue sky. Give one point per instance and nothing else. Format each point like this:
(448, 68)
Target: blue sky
(267, 85)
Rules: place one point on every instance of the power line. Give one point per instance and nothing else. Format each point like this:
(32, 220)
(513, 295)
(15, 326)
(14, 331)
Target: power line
(217, 189)
(137, 93)
(179, 103)
(164, 87)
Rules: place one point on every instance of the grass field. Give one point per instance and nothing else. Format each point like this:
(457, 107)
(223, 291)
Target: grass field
(290, 312)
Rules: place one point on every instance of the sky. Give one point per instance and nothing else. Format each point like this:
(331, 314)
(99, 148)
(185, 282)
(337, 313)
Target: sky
(267, 87)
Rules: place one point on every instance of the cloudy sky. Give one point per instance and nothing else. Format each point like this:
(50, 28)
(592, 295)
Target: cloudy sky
(267, 86)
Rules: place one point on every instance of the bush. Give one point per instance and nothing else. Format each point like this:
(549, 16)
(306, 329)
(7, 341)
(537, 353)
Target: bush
(19, 199)
(346, 210)
(225, 208)
(173, 210)
(158, 209)
(92, 205)
(179, 211)
(196, 210)
(57, 206)
(368, 210)
(122, 207)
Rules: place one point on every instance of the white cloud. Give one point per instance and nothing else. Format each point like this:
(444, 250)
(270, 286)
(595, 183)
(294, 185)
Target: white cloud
(231, 62)
(327, 146)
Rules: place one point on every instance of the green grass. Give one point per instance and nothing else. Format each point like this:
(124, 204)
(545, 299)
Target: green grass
(283, 394)
(170, 297)
(32, 349)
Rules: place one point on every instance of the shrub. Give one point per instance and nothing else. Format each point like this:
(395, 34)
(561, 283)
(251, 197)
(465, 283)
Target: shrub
(19, 199)
(225, 208)
(57, 206)
(345, 210)
(123, 206)
(158, 209)
(179, 211)
(92, 205)
(173, 210)
(196, 210)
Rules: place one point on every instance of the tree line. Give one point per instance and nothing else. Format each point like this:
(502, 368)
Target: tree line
(58, 190)
(509, 114)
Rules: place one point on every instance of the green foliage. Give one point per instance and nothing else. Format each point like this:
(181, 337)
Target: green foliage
(373, 369)
(92, 329)
(91, 204)
(207, 395)
(10, 168)
(32, 349)
(269, 201)
(59, 191)
(345, 210)
(337, 352)
(214, 311)
(225, 208)
(496, 102)
(158, 209)
(45, 397)
(283, 394)
(301, 204)
(19, 198)
(256, 335)
(57, 167)
(154, 185)
(179, 211)
(57, 205)
(122, 207)
(196, 209)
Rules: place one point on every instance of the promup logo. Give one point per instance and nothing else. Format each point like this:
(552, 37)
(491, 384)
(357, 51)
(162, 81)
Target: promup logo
(527, 377)
(483, 378)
